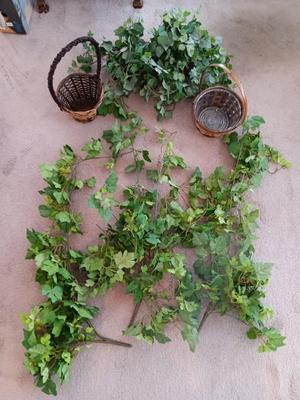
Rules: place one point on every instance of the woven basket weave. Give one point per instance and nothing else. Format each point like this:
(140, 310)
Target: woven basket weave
(219, 110)
(79, 94)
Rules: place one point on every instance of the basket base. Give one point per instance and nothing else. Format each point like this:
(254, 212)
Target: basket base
(214, 118)
(84, 116)
(87, 115)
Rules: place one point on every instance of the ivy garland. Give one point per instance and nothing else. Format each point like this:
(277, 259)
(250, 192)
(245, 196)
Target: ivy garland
(146, 246)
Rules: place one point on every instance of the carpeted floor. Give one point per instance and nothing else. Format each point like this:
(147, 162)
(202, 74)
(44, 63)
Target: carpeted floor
(264, 37)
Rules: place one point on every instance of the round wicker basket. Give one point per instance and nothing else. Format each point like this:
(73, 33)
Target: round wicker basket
(79, 94)
(219, 110)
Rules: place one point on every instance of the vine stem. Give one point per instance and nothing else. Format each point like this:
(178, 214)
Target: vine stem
(135, 313)
(204, 317)
(106, 340)
(102, 157)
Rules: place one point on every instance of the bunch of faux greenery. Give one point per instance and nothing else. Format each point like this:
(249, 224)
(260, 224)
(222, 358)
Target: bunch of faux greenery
(166, 67)
(146, 247)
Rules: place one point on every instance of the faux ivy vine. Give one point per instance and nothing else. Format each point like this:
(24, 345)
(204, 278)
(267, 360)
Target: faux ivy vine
(146, 245)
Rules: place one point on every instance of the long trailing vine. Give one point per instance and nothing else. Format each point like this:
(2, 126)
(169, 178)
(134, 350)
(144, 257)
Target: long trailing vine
(185, 254)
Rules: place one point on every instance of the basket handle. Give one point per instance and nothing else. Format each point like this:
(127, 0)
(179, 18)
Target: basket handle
(62, 53)
(235, 79)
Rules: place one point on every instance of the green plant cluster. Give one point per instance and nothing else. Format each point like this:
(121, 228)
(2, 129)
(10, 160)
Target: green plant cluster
(166, 66)
(145, 248)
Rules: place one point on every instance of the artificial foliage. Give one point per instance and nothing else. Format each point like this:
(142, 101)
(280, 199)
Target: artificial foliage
(146, 246)
(165, 66)
(185, 250)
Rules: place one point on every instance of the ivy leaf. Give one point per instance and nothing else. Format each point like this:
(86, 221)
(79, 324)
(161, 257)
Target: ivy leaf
(136, 167)
(124, 260)
(45, 211)
(105, 214)
(63, 216)
(190, 334)
(47, 171)
(263, 270)
(152, 239)
(58, 325)
(253, 122)
(91, 182)
(153, 175)
(273, 340)
(103, 204)
(111, 182)
(50, 267)
(130, 168)
(93, 263)
(164, 40)
(146, 155)
(133, 330)
(49, 388)
(53, 293)
(252, 333)
(92, 148)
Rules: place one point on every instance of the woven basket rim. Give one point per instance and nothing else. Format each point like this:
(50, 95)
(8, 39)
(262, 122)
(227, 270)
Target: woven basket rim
(78, 73)
(210, 89)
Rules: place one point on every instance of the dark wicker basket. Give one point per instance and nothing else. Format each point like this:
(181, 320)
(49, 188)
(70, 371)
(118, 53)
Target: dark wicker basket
(79, 94)
(219, 110)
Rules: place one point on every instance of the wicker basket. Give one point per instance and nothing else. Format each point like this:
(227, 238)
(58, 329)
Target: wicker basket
(219, 110)
(79, 94)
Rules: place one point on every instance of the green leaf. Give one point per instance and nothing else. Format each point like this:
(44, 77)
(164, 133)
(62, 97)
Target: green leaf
(91, 182)
(49, 388)
(251, 333)
(30, 339)
(133, 330)
(47, 171)
(45, 211)
(273, 340)
(190, 334)
(234, 149)
(146, 155)
(53, 293)
(153, 175)
(164, 39)
(263, 270)
(136, 167)
(51, 267)
(58, 325)
(253, 122)
(92, 148)
(111, 182)
(93, 263)
(130, 168)
(63, 216)
(124, 260)
(152, 239)
(105, 214)
(85, 313)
